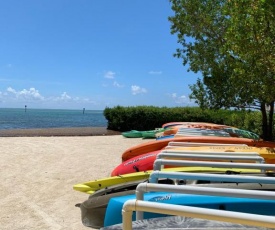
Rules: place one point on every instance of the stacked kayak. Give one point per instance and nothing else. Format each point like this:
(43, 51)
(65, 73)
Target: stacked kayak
(145, 161)
(173, 128)
(159, 144)
(104, 205)
(170, 196)
(204, 125)
(191, 129)
(209, 167)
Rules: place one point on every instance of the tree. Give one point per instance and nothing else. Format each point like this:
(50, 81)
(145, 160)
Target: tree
(231, 42)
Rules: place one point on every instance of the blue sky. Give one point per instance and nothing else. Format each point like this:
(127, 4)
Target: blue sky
(91, 54)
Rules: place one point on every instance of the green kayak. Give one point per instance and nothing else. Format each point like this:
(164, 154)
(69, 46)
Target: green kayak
(143, 134)
(132, 134)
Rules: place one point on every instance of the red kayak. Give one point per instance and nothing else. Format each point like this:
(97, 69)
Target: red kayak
(141, 163)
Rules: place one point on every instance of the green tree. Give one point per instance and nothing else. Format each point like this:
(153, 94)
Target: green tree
(231, 42)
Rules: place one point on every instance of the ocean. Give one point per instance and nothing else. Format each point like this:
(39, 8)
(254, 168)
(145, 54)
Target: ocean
(50, 118)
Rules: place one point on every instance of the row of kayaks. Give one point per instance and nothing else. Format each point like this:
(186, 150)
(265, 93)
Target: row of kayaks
(174, 129)
(185, 162)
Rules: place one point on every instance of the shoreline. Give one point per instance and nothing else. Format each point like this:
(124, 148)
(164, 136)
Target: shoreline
(48, 132)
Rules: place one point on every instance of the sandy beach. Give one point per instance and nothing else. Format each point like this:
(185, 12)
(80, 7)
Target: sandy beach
(38, 173)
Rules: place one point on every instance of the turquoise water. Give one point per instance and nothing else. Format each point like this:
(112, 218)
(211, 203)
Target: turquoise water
(50, 118)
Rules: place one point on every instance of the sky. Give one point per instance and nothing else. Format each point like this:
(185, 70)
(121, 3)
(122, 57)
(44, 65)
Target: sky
(93, 54)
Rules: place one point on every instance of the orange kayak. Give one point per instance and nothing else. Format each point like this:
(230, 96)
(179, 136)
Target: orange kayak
(160, 144)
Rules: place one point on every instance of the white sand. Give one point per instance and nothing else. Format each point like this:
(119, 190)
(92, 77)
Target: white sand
(38, 174)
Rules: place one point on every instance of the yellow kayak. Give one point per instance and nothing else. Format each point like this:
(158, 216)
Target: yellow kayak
(92, 186)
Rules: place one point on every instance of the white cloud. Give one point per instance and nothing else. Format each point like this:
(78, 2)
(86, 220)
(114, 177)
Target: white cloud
(33, 94)
(137, 90)
(182, 99)
(26, 94)
(64, 97)
(12, 98)
(116, 84)
(110, 75)
(155, 72)
(11, 90)
(174, 95)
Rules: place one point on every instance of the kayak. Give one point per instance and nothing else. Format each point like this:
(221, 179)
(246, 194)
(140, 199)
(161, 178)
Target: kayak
(91, 187)
(142, 134)
(145, 162)
(141, 163)
(234, 132)
(242, 133)
(155, 145)
(220, 198)
(97, 209)
(132, 134)
(193, 125)
(242, 205)
(173, 129)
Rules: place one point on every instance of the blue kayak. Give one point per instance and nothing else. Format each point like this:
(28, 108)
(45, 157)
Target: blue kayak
(262, 207)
